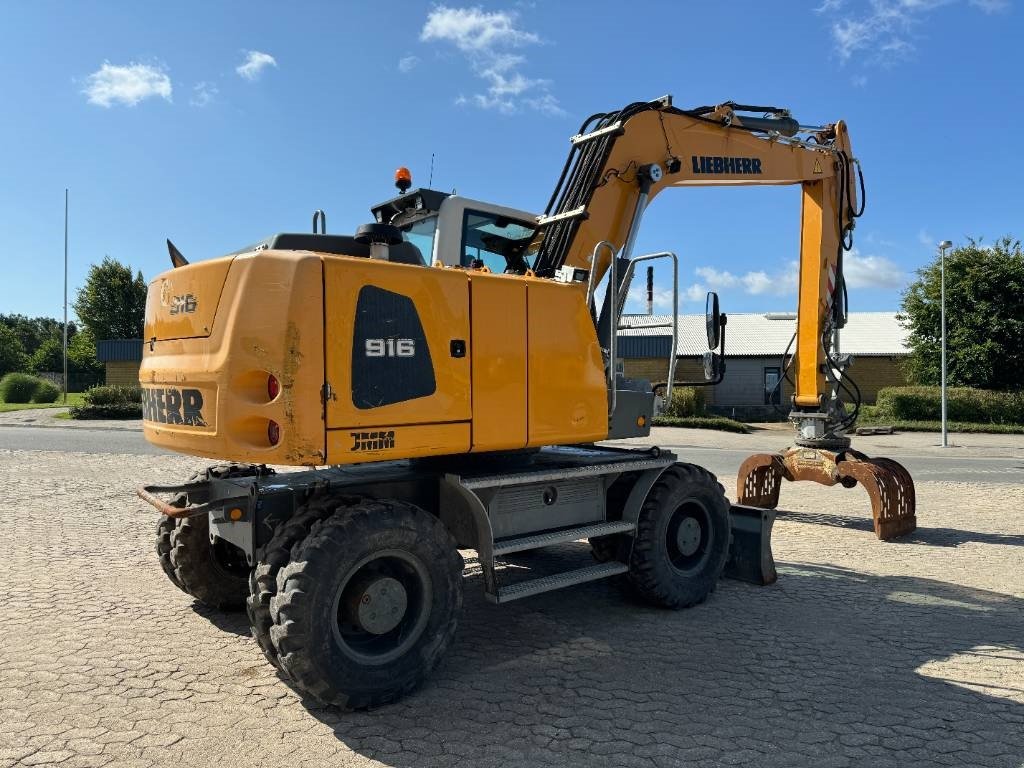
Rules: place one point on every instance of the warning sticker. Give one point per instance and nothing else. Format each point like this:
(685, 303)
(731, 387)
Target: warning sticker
(817, 165)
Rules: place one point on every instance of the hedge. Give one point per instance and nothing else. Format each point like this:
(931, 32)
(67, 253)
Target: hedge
(108, 411)
(701, 422)
(46, 392)
(19, 387)
(115, 401)
(686, 401)
(112, 394)
(963, 404)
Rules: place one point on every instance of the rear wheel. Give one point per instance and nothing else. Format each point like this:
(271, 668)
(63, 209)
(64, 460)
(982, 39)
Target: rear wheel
(263, 578)
(682, 538)
(368, 604)
(216, 573)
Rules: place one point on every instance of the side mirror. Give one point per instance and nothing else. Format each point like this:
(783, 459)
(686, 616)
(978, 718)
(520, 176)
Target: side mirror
(713, 321)
(714, 367)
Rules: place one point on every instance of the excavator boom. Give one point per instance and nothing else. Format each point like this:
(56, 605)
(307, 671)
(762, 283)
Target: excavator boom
(620, 160)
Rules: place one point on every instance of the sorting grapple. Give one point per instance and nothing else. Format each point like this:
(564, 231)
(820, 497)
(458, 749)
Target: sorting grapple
(887, 482)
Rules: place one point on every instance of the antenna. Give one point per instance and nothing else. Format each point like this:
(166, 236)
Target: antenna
(430, 182)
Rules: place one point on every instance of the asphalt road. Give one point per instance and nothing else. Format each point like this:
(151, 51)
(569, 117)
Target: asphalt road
(721, 461)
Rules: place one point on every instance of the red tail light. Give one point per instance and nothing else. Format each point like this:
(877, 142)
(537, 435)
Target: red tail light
(273, 386)
(273, 432)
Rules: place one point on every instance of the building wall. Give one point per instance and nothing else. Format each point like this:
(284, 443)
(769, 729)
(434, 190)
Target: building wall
(655, 370)
(744, 377)
(123, 372)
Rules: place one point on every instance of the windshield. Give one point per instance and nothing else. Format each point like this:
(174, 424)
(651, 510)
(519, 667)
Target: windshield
(499, 242)
(421, 234)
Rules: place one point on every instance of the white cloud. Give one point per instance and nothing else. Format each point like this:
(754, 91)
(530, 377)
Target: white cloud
(924, 237)
(859, 81)
(473, 29)
(115, 84)
(991, 6)
(408, 63)
(872, 271)
(717, 278)
(254, 64)
(884, 31)
(487, 39)
(202, 94)
(755, 283)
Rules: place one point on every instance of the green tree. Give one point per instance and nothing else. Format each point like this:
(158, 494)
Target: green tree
(82, 354)
(112, 303)
(984, 318)
(33, 331)
(12, 353)
(49, 356)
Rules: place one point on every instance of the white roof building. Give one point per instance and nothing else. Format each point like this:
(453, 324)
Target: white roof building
(758, 335)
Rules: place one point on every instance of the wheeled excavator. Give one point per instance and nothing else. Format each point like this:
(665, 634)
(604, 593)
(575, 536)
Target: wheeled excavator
(444, 381)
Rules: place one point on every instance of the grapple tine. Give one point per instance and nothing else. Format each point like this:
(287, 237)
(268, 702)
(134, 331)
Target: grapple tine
(759, 479)
(889, 485)
(891, 490)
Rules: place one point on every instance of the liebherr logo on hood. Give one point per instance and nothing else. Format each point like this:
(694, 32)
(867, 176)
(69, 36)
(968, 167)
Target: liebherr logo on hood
(167, 405)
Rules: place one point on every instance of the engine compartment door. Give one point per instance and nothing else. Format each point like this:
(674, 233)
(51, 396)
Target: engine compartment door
(397, 344)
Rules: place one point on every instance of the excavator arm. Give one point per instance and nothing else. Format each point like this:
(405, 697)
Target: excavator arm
(620, 160)
(619, 165)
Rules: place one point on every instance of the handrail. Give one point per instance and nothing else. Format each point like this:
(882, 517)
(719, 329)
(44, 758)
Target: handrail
(675, 305)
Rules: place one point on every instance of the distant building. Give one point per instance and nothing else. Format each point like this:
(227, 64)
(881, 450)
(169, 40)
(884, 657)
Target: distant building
(121, 359)
(754, 345)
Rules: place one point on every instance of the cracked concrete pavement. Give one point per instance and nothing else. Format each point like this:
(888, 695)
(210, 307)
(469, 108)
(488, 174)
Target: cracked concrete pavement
(864, 654)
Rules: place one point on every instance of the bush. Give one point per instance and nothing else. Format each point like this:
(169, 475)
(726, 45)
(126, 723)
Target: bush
(18, 387)
(686, 401)
(46, 393)
(113, 394)
(107, 411)
(701, 422)
(963, 404)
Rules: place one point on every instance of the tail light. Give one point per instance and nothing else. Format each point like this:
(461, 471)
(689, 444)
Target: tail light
(273, 386)
(273, 432)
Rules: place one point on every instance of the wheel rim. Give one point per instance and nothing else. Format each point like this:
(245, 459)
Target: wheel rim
(228, 559)
(688, 537)
(382, 607)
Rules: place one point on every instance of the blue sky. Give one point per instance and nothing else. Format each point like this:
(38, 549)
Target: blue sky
(216, 124)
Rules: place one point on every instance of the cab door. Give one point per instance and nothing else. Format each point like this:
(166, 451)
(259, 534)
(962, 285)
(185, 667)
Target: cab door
(397, 345)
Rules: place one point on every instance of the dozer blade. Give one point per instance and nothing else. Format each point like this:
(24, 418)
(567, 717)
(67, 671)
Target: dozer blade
(887, 482)
(750, 552)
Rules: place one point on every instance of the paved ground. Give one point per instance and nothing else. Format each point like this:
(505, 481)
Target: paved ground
(864, 653)
(970, 458)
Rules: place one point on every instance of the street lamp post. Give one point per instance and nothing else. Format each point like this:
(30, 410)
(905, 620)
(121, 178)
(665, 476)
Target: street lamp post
(943, 247)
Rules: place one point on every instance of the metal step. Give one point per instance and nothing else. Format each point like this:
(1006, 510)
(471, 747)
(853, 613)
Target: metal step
(557, 581)
(539, 540)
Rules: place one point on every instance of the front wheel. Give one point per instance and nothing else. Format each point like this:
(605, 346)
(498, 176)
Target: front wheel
(682, 538)
(368, 604)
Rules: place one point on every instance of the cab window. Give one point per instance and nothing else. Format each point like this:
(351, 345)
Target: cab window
(496, 242)
(421, 234)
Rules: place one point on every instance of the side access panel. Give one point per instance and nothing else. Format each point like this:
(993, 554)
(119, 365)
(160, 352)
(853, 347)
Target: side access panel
(568, 393)
(499, 362)
(397, 350)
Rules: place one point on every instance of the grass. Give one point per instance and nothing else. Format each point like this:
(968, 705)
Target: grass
(74, 398)
(701, 422)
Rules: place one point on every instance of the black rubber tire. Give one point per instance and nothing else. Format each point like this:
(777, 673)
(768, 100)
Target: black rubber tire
(215, 575)
(164, 530)
(263, 577)
(305, 610)
(659, 572)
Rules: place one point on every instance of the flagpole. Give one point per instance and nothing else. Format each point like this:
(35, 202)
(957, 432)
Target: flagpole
(65, 296)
